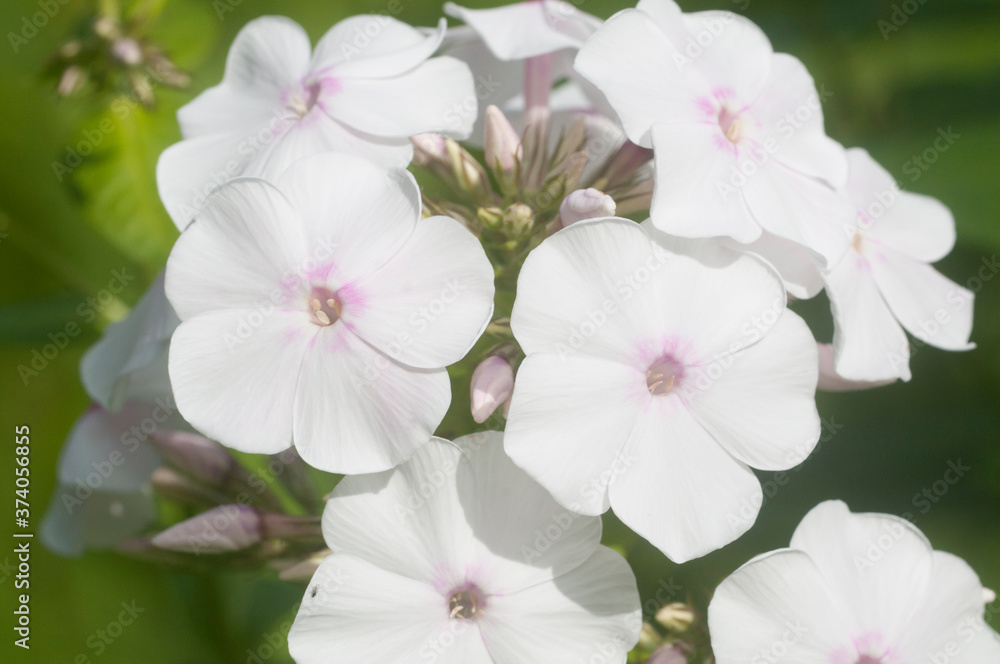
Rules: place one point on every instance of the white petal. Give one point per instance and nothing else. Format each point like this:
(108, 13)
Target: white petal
(358, 411)
(234, 379)
(523, 537)
(130, 351)
(103, 520)
(238, 253)
(356, 215)
(358, 613)
(683, 493)
(187, 172)
(429, 304)
(373, 46)
(696, 193)
(869, 345)
(790, 112)
(777, 606)
(918, 226)
(438, 96)
(588, 614)
(318, 133)
(831, 381)
(526, 29)
(103, 453)
(798, 266)
(408, 521)
(877, 566)
(759, 404)
(747, 297)
(268, 55)
(619, 60)
(800, 208)
(568, 421)
(572, 293)
(667, 16)
(737, 57)
(951, 618)
(930, 306)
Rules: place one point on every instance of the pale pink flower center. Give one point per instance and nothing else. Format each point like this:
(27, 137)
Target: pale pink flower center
(324, 306)
(731, 124)
(304, 98)
(466, 604)
(663, 375)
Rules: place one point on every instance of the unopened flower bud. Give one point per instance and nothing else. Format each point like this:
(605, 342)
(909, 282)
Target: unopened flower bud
(233, 528)
(196, 455)
(649, 638)
(501, 142)
(492, 385)
(428, 148)
(585, 204)
(219, 530)
(127, 50)
(669, 654)
(989, 596)
(676, 617)
(518, 219)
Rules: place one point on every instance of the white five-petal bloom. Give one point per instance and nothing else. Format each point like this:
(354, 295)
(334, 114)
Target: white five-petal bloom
(130, 359)
(885, 283)
(367, 88)
(853, 589)
(322, 312)
(737, 130)
(657, 372)
(457, 556)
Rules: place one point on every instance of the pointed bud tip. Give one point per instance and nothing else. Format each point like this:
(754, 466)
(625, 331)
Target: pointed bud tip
(501, 142)
(492, 384)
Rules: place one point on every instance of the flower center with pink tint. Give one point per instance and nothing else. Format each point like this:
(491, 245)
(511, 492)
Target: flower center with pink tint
(731, 124)
(663, 375)
(466, 604)
(868, 659)
(324, 306)
(304, 98)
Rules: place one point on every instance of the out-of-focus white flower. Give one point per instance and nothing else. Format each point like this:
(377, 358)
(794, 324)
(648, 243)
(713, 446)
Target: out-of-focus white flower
(853, 589)
(658, 372)
(459, 556)
(366, 89)
(103, 494)
(885, 282)
(322, 311)
(831, 381)
(491, 386)
(737, 129)
(585, 204)
(130, 360)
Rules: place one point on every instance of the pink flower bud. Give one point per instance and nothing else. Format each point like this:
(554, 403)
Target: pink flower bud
(219, 530)
(203, 459)
(428, 148)
(668, 654)
(501, 143)
(585, 204)
(537, 87)
(492, 385)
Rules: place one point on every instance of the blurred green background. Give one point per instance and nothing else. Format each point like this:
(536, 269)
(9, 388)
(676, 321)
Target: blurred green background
(61, 235)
